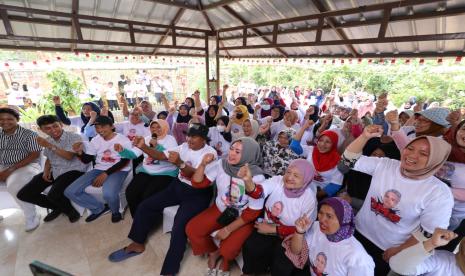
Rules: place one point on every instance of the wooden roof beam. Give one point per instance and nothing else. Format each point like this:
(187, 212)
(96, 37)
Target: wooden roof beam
(210, 6)
(174, 21)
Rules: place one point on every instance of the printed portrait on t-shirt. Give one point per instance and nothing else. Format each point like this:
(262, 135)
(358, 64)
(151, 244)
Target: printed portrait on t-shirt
(386, 206)
(275, 212)
(150, 161)
(234, 197)
(446, 172)
(132, 134)
(319, 264)
(107, 157)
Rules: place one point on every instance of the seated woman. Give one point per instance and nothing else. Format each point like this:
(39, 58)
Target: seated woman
(250, 128)
(324, 157)
(220, 138)
(178, 120)
(389, 220)
(239, 115)
(422, 259)
(289, 121)
(233, 212)
(154, 174)
(276, 153)
(90, 111)
(191, 200)
(109, 172)
(287, 199)
(328, 244)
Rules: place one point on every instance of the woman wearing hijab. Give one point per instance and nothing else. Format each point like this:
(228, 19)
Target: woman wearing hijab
(423, 259)
(289, 121)
(154, 173)
(265, 108)
(276, 153)
(220, 138)
(243, 101)
(389, 220)
(287, 199)
(87, 129)
(324, 157)
(328, 244)
(181, 122)
(210, 115)
(233, 213)
(240, 115)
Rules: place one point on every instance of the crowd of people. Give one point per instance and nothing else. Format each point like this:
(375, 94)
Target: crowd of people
(296, 182)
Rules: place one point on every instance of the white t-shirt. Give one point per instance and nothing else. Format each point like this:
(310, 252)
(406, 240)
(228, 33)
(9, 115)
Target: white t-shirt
(129, 90)
(282, 210)
(423, 203)
(442, 263)
(277, 127)
(454, 174)
(322, 179)
(231, 190)
(344, 258)
(235, 129)
(104, 151)
(111, 93)
(153, 166)
(95, 89)
(16, 98)
(192, 158)
(217, 141)
(131, 131)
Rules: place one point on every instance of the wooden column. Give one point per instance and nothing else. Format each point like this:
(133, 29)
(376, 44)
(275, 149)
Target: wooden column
(207, 67)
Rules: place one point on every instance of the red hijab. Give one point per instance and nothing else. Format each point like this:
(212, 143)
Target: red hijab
(457, 154)
(326, 161)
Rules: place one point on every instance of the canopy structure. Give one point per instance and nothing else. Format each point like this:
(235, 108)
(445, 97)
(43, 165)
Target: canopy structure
(237, 28)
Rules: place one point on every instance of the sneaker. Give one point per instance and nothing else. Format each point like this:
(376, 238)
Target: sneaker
(93, 217)
(31, 225)
(74, 216)
(52, 215)
(223, 273)
(211, 272)
(116, 217)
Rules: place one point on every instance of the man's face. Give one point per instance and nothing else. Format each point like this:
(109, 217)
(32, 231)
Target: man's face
(390, 200)
(53, 130)
(15, 86)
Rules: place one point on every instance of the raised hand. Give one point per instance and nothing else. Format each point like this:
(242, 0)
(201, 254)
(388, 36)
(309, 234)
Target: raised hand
(418, 107)
(454, 117)
(442, 237)
(372, 131)
(118, 147)
(245, 173)
(392, 117)
(174, 158)
(93, 115)
(308, 123)
(208, 158)
(104, 111)
(43, 142)
(78, 147)
(56, 100)
(302, 224)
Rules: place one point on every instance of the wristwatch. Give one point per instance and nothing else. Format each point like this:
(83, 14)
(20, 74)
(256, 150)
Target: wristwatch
(182, 165)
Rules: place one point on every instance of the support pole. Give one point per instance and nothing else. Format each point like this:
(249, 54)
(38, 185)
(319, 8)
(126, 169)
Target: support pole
(217, 63)
(207, 67)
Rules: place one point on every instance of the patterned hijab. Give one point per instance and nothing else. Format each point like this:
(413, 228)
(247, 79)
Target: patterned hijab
(345, 216)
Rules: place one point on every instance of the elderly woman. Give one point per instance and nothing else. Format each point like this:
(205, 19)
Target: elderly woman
(154, 173)
(287, 199)
(233, 213)
(328, 244)
(389, 221)
(324, 157)
(422, 259)
(289, 120)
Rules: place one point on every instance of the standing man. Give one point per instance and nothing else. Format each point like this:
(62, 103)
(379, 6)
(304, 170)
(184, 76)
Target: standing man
(19, 160)
(15, 95)
(62, 167)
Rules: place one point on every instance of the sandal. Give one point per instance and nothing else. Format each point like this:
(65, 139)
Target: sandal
(121, 255)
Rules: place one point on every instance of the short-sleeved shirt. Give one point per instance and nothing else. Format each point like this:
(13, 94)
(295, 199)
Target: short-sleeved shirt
(218, 142)
(104, 151)
(323, 179)
(440, 264)
(191, 157)
(283, 210)
(397, 206)
(59, 164)
(131, 130)
(346, 257)
(17, 146)
(231, 190)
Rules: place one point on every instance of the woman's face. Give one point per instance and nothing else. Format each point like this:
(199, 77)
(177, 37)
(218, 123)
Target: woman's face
(421, 124)
(237, 102)
(415, 156)
(324, 144)
(162, 117)
(283, 141)
(220, 123)
(188, 103)
(329, 224)
(403, 118)
(86, 109)
(211, 112)
(183, 111)
(235, 153)
(461, 136)
(390, 200)
(104, 130)
(293, 178)
(247, 128)
(146, 107)
(135, 117)
(310, 110)
(275, 113)
(155, 128)
(378, 153)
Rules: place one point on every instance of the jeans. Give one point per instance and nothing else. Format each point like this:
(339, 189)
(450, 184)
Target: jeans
(111, 189)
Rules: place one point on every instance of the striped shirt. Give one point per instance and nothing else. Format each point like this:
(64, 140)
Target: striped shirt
(17, 146)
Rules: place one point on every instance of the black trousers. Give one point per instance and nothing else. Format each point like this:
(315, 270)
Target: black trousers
(381, 267)
(259, 251)
(113, 105)
(282, 266)
(55, 199)
(191, 202)
(143, 186)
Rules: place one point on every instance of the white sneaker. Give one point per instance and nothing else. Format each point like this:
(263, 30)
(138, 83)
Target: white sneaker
(211, 272)
(223, 273)
(33, 224)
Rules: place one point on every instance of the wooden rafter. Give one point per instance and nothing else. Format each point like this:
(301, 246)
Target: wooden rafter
(210, 6)
(255, 30)
(332, 22)
(173, 23)
(384, 23)
(6, 22)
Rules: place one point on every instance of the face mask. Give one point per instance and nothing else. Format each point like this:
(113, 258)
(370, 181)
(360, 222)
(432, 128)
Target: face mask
(220, 128)
(239, 116)
(266, 107)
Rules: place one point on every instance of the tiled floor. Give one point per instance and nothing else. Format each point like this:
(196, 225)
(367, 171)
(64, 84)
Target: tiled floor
(82, 248)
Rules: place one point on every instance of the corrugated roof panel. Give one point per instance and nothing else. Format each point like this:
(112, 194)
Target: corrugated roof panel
(193, 19)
